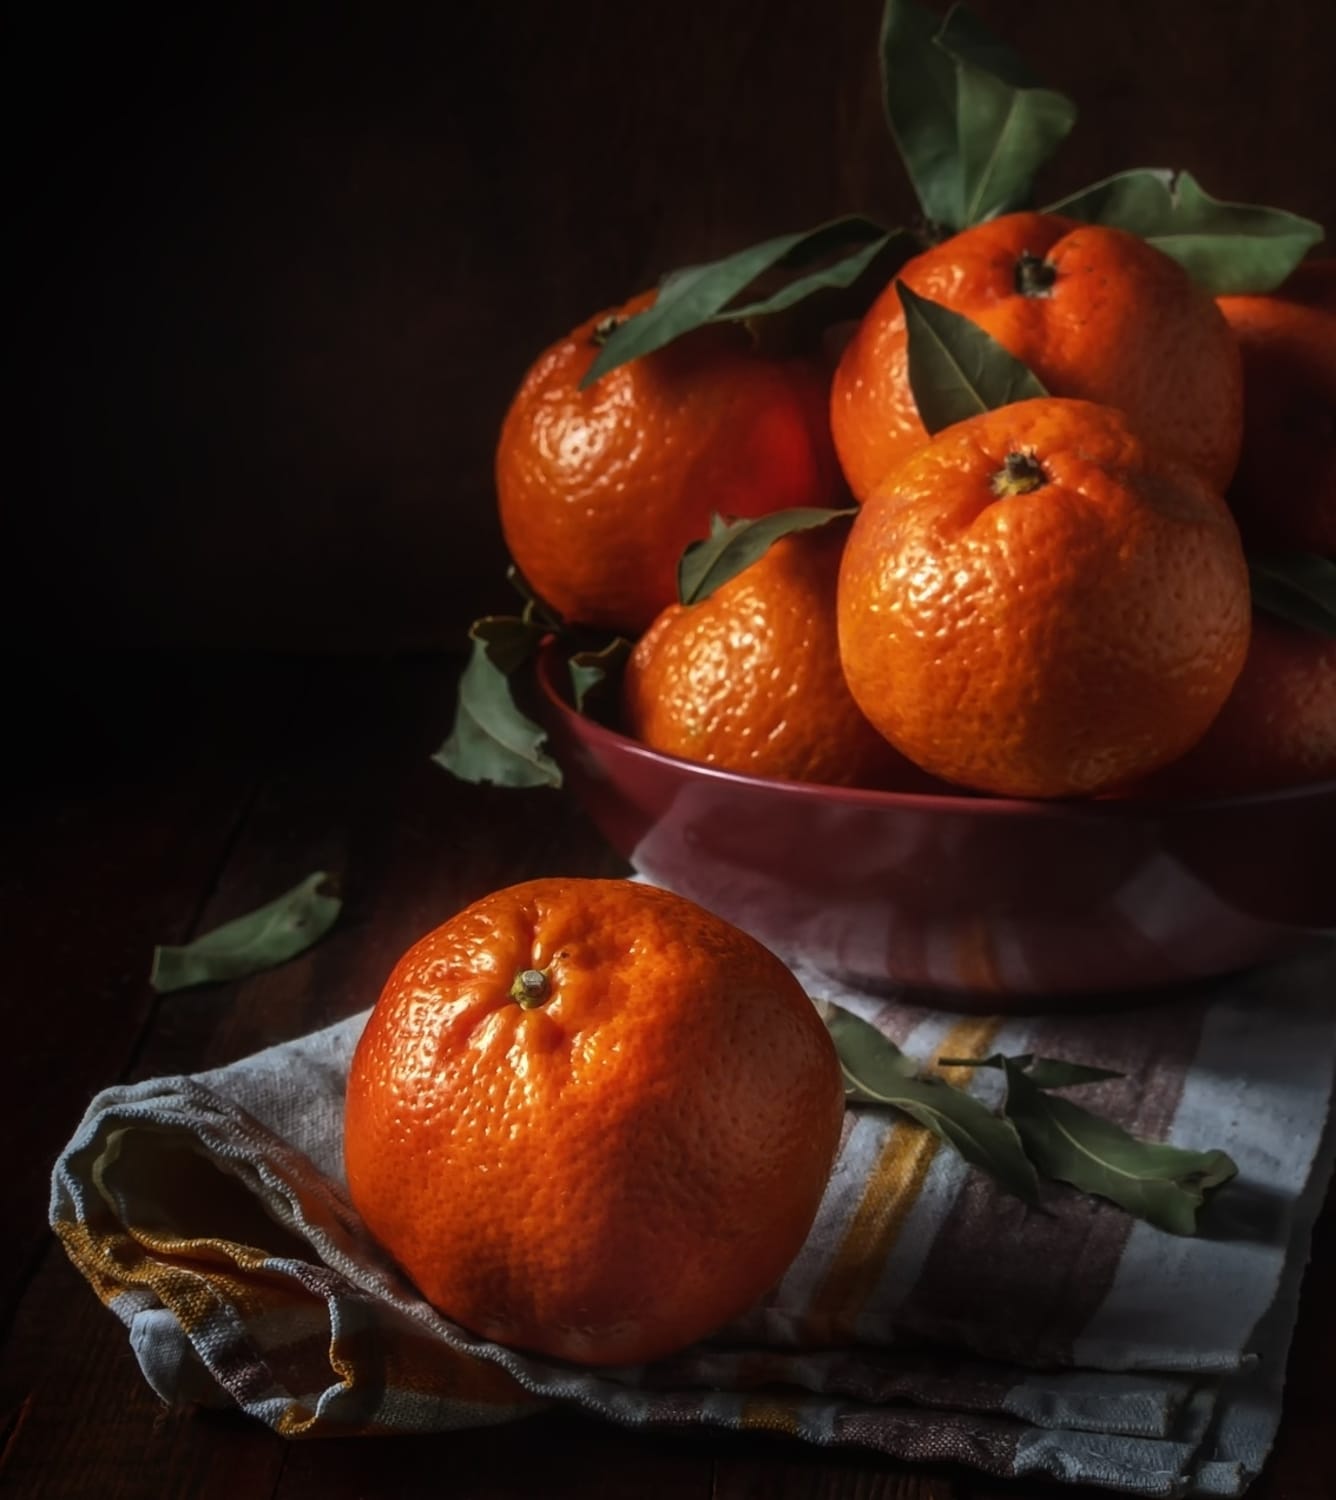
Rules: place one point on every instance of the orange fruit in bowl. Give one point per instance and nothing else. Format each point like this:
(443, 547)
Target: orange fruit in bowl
(601, 490)
(1277, 728)
(1037, 603)
(1096, 313)
(1284, 493)
(749, 678)
(591, 1119)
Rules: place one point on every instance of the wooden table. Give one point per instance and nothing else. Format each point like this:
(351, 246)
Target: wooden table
(155, 797)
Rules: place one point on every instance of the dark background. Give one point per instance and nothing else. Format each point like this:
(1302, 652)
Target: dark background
(278, 274)
(275, 277)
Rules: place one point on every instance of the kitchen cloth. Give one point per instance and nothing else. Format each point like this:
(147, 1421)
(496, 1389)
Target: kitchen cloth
(929, 1315)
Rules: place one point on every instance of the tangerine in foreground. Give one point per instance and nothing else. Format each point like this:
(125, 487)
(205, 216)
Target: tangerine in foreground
(1038, 604)
(591, 1119)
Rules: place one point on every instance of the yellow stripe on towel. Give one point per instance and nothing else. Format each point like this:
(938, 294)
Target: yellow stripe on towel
(771, 1415)
(892, 1188)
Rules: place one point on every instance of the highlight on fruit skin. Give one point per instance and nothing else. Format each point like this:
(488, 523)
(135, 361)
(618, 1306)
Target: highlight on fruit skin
(1095, 312)
(1038, 604)
(749, 679)
(601, 490)
(591, 1120)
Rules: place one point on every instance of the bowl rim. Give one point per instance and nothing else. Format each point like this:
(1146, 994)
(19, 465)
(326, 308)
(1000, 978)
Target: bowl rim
(549, 654)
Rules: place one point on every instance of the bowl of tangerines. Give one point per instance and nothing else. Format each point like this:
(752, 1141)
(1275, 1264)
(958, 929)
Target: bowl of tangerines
(953, 608)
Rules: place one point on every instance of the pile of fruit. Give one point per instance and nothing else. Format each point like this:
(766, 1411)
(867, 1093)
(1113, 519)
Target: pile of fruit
(1026, 503)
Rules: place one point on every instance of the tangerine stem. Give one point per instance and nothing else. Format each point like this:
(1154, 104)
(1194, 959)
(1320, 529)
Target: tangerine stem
(530, 987)
(1020, 473)
(604, 329)
(1034, 275)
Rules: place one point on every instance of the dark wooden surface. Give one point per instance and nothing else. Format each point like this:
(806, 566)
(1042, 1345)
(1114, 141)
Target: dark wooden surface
(154, 797)
(278, 270)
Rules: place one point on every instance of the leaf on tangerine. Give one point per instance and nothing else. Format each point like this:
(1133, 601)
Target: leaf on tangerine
(956, 369)
(735, 545)
(1227, 248)
(839, 275)
(695, 295)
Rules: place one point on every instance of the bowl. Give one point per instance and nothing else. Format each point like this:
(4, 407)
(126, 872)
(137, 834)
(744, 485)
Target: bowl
(973, 901)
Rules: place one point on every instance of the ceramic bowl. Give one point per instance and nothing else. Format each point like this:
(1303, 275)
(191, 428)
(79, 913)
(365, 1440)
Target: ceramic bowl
(986, 900)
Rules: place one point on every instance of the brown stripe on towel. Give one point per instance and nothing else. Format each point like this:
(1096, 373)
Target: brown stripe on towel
(1013, 1284)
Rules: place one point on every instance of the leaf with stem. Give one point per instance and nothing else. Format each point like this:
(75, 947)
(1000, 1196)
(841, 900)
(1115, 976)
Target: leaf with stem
(536, 609)
(1043, 1072)
(1162, 1184)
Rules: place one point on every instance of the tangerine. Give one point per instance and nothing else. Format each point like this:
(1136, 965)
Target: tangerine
(591, 1119)
(749, 678)
(1096, 313)
(1277, 728)
(1036, 603)
(1284, 493)
(602, 489)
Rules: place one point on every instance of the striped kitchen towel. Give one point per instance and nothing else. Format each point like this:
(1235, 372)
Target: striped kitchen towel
(928, 1316)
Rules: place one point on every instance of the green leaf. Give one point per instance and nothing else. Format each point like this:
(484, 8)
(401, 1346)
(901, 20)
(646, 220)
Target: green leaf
(964, 36)
(970, 124)
(1043, 1072)
(836, 276)
(735, 545)
(696, 295)
(262, 939)
(877, 1072)
(1225, 247)
(956, 370)
(592, 670)
(1057, 1073)
(918, 84)
(1164, 1185)
(1296, 586)
(492, 740)
(1005, 134)
(865, 1053)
